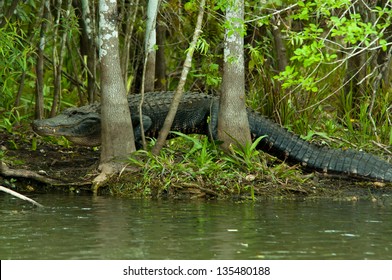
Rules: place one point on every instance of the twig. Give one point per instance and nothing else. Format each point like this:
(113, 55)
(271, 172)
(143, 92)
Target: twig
(272, 14)
(384, 147)
(21, 196)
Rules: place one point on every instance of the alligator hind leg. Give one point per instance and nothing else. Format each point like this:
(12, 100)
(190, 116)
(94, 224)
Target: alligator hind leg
(213, 121)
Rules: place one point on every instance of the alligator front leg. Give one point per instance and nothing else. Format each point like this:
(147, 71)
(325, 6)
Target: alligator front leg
(147, 122)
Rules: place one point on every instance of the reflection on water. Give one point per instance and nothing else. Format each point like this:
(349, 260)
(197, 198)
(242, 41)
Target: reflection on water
(85, 227)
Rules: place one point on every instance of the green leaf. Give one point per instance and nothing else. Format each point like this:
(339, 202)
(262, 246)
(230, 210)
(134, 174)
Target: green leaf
(383, 44)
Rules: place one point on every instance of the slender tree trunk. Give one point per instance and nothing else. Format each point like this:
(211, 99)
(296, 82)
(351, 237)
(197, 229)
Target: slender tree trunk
(279, 97)
(131, 13)
(384, 57)
(233, 126)
(356, 86)
(148, 75)
(160, 69)
(281, 53)
(71, 45)
(150, 43)
(58, 56)
(20, 89)
(180, 88)
(117, 133)
(88, 46)
(55, 57)
(8, 14)
(39, 98)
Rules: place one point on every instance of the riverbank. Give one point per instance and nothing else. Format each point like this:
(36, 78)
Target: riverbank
(190, 168)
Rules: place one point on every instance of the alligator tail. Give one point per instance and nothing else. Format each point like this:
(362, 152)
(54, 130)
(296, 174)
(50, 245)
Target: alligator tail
(289, 147)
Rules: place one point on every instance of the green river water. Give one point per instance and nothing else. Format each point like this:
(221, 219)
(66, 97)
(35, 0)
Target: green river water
(88, 227)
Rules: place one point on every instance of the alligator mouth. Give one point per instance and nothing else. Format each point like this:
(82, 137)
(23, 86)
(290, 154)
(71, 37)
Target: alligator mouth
(89, 141)
(57, 127)
(45, 129)
(84, 133)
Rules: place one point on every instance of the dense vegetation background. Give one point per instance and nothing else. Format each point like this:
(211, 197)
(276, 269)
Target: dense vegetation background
(317, 67)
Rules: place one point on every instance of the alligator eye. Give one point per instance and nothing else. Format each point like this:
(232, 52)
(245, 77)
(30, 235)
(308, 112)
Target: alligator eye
(76, 112)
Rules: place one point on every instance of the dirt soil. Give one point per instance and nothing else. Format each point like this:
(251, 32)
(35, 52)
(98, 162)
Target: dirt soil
(46, 167)
(50, 167)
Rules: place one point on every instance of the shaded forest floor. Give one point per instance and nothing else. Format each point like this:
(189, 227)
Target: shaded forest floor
(31, 164)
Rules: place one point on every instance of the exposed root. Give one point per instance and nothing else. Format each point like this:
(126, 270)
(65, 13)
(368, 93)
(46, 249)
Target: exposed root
(108, 170)
(23, 173)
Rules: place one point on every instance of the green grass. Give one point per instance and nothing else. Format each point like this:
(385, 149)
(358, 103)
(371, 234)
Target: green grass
(193, 162)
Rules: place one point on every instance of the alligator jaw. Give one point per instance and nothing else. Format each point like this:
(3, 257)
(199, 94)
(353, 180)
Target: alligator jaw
(42, 129)
(85, 131)
(89, 140)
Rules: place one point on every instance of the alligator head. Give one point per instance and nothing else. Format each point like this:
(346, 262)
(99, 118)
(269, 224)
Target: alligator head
(81, 126)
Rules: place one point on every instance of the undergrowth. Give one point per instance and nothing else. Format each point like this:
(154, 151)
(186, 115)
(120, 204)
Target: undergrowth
(194, 163)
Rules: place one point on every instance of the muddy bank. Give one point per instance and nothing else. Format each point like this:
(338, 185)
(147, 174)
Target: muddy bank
(32, 164)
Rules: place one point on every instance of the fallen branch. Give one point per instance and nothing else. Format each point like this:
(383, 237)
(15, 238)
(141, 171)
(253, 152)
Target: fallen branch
(21, 196)
(23, 173)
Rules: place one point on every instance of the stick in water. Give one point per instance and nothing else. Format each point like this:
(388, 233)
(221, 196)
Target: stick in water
(18, 195)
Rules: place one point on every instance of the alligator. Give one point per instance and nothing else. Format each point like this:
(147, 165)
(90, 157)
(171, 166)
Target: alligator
(197, 114)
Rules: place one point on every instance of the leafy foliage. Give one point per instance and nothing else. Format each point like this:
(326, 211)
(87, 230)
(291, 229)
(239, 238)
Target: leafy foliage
(332, 52)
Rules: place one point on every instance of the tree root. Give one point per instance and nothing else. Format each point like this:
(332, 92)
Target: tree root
(107, 171)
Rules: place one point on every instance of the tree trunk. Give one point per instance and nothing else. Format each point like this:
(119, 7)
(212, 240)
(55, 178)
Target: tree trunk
(117, 133)
(160, 67)
(130, 15)
(233, 126)
(8, 13)
(58, 55)
(356, 86)
(150, 43)
(88, 46)
(281, 53)
(280, 97)
(39, 97)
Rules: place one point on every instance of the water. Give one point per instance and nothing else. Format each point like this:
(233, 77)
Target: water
(86, 227)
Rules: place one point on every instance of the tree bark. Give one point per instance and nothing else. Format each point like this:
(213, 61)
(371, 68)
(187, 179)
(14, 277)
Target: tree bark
(130, 14)
(160, 67)
(88, 46)
(117, 132)
(58, 55)
(8, 14)
(233, 126)
(281, 53)
(39, 91)
(150, 43)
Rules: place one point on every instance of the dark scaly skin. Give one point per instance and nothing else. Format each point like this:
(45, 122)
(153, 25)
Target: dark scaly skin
(198, 114)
